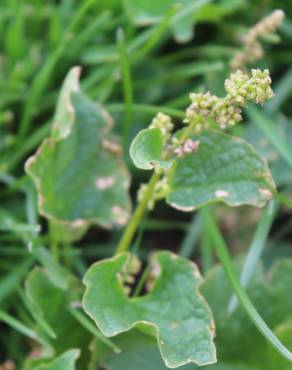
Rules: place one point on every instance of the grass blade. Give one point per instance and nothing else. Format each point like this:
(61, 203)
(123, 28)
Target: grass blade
(191, 237)
(270, 130)
(147, 109)
(42, 78)
(256, 248)
(127, 84)
(282, 91)
(156, 35)
(223, 255)
(44, 325)
(87, 324)
(12, 280)
(17, 325)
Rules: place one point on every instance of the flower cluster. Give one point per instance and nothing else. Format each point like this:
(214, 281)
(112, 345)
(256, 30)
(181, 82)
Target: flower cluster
(159, 192)
(226, 112)
(163, 123)
(243, 88)
(200, 109)
(180, 148)
(252, 49)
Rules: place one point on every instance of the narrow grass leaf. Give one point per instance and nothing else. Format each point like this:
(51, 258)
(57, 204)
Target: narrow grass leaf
(223, 255)
(256, 247)
(269, 129)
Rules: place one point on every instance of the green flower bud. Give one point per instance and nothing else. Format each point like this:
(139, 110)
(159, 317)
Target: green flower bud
(163, 123)
(226, 112)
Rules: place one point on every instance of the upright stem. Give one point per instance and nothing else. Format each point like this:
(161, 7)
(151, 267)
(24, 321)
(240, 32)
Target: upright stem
(142, 206)
(137, 215)
(127, 84)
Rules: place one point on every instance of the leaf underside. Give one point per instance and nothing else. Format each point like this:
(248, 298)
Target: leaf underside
(184, 331)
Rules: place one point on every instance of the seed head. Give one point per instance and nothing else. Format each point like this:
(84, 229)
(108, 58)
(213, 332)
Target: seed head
(226, 112)
(243, 88)
(252, 49)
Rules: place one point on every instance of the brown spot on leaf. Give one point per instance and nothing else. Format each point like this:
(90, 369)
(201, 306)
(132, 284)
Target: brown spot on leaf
(266, 193)
(76, 224)
(121, 216)
(221, 193)
(111, 147)
(103, 183)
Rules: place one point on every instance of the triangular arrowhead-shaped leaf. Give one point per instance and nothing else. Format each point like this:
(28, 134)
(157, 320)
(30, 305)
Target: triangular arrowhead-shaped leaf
(66, 361)
(224, 169)
(78, 171)
(174, 308)
(147, 149)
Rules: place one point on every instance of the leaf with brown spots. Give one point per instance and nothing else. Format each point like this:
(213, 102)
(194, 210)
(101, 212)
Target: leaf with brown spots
(173, 310)
(79, 180)
(224, 169)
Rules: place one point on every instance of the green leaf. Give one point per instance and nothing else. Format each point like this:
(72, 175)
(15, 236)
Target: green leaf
(64, 115)
(12, 279)
(78, 171)
(64, 362)
(231, 366)
(143, 12)
(282, 134)
(52, 305)
(139, 351)
(224, 169)
(147, 12)
(237, 340)
(147, 149)
(60, 276)
(173, 309)
(214, 12)
(274, 359)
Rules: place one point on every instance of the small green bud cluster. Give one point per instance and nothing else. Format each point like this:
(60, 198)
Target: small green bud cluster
(159, 192)
(252, 49)
(243, 88)
(200, 110)
(128, 272)
(226, 112)
(163, 123)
